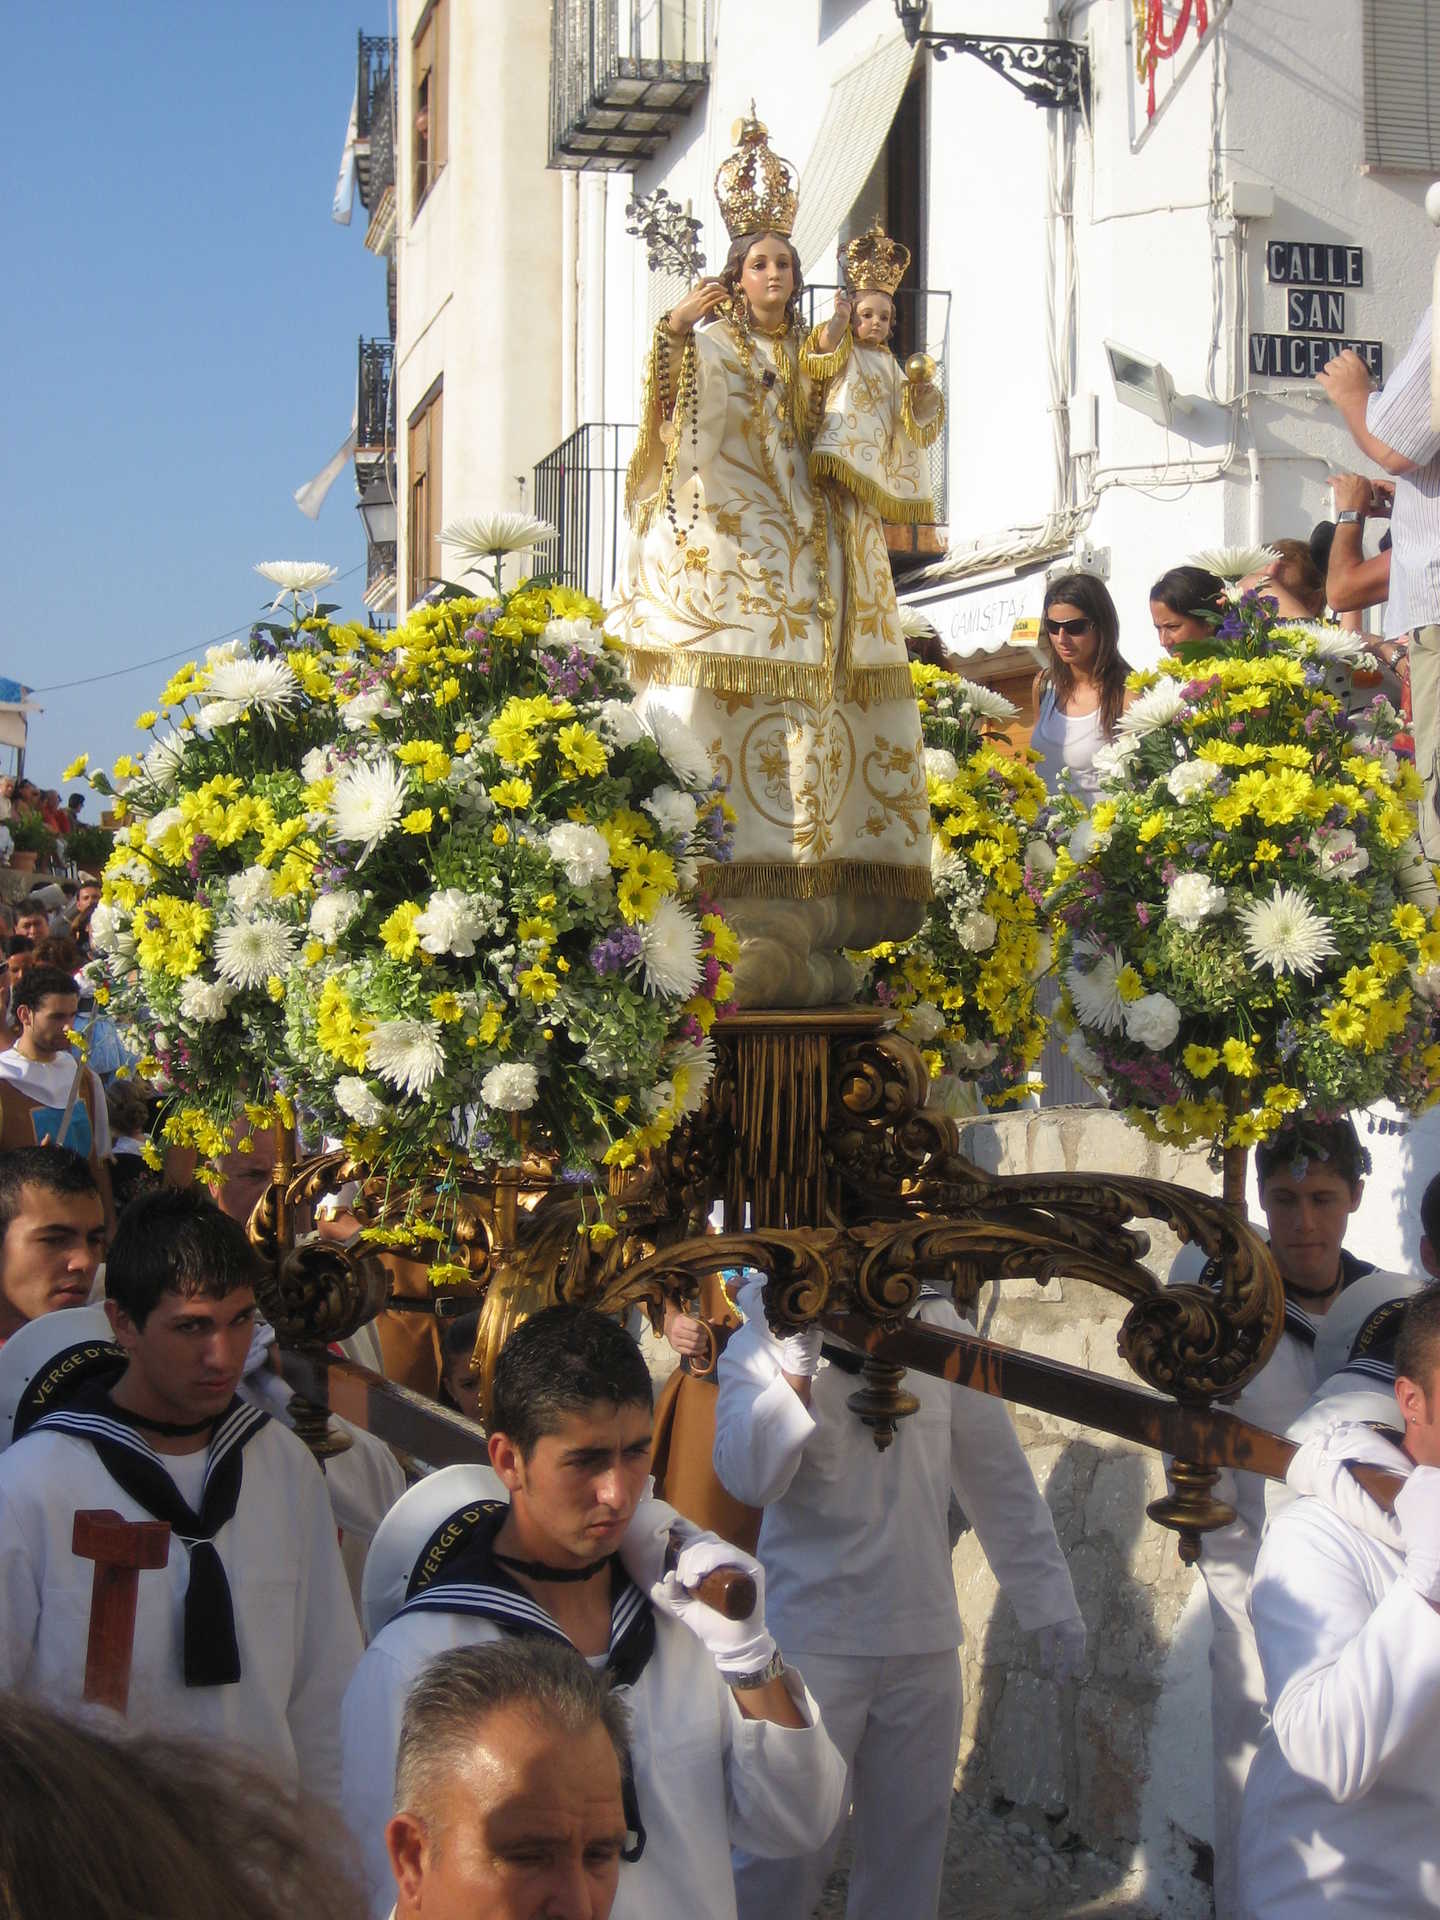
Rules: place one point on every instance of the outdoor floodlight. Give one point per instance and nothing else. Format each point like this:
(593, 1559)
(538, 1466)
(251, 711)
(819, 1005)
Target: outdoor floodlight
(1142, 383)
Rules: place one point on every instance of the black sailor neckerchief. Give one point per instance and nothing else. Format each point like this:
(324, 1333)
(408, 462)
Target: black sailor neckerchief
(458, 1572)
(1297, 1320)
(211, 1650)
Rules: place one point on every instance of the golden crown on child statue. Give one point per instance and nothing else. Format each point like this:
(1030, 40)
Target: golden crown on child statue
(874, 263)
(755, 186)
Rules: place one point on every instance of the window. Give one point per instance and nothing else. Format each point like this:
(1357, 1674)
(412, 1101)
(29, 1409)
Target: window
(1402, 85)
(429, 100)
(422, 497)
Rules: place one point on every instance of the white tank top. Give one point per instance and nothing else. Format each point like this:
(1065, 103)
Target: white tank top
(1067, 741)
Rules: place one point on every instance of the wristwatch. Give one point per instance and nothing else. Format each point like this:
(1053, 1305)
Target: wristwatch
(762, 1676)
(1349, 517)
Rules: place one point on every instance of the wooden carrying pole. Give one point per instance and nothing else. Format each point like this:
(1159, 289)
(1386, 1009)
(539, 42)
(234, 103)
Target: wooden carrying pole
(122, 1550)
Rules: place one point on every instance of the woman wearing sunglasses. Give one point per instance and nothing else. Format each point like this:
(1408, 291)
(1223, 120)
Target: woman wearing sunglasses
(1080, 692)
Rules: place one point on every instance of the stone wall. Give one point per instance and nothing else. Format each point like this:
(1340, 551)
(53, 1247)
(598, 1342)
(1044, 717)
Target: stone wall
(1120, 1760)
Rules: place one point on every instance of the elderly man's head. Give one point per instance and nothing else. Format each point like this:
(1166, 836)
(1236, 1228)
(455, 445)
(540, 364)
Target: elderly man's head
(508, 1788)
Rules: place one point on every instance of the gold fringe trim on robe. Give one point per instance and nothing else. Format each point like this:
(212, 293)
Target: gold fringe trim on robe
(923, 432)
(819, 365)
(740, 674)
(829, 466)
(783, 880)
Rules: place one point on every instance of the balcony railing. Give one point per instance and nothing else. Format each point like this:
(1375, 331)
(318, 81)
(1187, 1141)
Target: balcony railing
(580, 490)
(922, 325)
(375, 401)
(375, 119)
(623, 75)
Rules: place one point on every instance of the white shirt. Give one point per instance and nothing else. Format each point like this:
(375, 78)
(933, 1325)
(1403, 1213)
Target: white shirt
(1342, 1809)
(49, 1082)
(1399, 414)
(855, 1542)
(705, 1776)
(294, 1621)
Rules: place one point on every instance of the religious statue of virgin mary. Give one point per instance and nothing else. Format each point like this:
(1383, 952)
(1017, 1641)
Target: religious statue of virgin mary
(747, 608)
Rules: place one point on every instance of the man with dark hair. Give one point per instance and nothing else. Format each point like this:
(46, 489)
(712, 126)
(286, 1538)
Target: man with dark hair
(1430, 1229)
(508, 1797)
(1311, 1175)
(248, 1634)
(559, 1542)
(33, 924)
(47, 1096)
(1342, 1808)
(52, 1234)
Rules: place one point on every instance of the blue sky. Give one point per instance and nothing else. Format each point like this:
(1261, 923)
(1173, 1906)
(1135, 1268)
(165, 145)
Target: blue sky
(181, 314)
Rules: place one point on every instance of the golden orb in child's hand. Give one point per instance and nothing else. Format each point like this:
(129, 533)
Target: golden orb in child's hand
(919, 367)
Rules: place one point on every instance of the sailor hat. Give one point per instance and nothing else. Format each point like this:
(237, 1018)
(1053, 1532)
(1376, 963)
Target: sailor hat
(47, 1359)
(408, 1530)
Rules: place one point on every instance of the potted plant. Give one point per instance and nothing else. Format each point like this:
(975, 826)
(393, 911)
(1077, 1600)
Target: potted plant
(31, 838)
(87, 848)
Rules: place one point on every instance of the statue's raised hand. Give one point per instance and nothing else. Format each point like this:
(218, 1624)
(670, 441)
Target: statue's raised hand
(700, 300)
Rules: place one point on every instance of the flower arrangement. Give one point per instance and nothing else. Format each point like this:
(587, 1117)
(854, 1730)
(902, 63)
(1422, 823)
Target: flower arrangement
(1243, 923)
(29, 833)
(435, 887)
(964, 986)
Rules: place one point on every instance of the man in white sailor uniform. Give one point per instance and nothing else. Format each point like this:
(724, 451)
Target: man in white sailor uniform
(248, 1634)
(558, 1542)
(1311, 1177)
(1342, 1808)
(856, 1549)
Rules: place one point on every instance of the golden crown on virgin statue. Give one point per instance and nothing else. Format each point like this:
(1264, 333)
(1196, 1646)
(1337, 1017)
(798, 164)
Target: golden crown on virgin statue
(874, 263)
(755, 186)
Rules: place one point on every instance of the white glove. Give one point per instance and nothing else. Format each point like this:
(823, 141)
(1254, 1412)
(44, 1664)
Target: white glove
(799, 1353)
(1417, 1508)
(1319, 1470)
(736, 1646)
(646, 1541)
(1062, 1649)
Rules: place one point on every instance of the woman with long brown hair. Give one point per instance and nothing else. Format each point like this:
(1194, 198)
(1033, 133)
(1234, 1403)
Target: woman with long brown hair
(1080, 691)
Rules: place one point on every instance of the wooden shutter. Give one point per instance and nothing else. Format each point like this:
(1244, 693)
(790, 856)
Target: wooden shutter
(430, 96)
(422, 501)
(1402, 84)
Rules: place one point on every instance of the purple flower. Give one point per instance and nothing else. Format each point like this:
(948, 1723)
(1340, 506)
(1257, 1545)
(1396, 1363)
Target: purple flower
(620, 949)
(1142, 914)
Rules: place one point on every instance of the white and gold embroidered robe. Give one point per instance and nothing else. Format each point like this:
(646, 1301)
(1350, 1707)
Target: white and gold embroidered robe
(745, 605)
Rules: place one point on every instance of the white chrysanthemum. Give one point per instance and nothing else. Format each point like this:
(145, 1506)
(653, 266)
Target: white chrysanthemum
(1339, 853)
(1040, 857)
(940, 764)
(225, 651)
(1094, 991)
(218, 713)
(250, 889)
(368, 801)
(249, 952)
(947, 869)
(1085, 840)
(203, 1001)
(1233, 563)
(1193, 898)
(985, 702)
(269, 685)
(1321, 640)
(619, 723)
(976, 932)
(453, 920)
(373, 703)
(359, 1102)
(584, 635)
(1083, 1057)
(110, 931)
(1286, 934)
(923, 1021)
(1152, 1021)
(1112, 761)
(482, 536)
(1191, 778)
(690, 1067)
(973, 1056)
(332, 914)
(159, 824)
(295, 576)
(682, 749)
(672, 811)
(162, 762)
(511, 1088)
(314, 764)
(1160, 707)
(914, 624)
(406, 1054)
(671, 942)
(582, 852)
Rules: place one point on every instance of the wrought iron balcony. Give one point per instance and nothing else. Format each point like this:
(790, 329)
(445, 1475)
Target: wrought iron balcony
(623, 75)
(375, 402)
(380, 577)
(375, 119)
(922, 325)
(580, 490)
